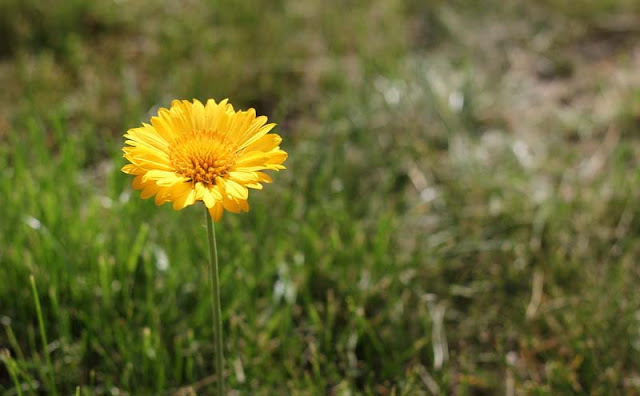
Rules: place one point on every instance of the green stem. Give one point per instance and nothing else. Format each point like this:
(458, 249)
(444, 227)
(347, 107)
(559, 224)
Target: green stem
(215, 302)
(43, 336)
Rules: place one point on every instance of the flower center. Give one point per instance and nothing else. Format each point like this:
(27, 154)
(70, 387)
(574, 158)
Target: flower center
(202, 156)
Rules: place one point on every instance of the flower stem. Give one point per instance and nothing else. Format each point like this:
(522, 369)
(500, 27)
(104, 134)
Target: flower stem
(215, 303)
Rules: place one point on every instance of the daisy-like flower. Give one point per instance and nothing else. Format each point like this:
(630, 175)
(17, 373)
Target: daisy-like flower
(202, 152)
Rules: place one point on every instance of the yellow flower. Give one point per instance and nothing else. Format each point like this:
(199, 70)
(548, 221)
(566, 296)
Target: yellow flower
(211, 153)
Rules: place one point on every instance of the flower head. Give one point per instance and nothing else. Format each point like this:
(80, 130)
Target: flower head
(202, 152)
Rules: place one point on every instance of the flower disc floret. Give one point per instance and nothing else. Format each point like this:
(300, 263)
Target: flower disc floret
(203, 157)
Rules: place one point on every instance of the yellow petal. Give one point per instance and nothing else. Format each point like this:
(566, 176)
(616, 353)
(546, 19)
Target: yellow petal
(163, 125)
(276, 158)
(210, 113)
(132, 169)
(216, 211)
(265, 143)
(215, 192)
(240, 125)
(146, 136)
(158, 175)
(221, 118)
(171, 181)
(232, 206)
(251, 158)
(261, 132)
(138, 184)
(146, 164)
(243, 177)
(183, 195)
(198, 115)
(235, 189)
(149, 190)
(205, 194)
(163, 195)
(263, 177)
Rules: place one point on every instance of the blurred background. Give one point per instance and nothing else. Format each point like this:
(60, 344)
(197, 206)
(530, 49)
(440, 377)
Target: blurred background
(459, 215)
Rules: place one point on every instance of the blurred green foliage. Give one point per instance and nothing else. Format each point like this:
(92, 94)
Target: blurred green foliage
(458, 215)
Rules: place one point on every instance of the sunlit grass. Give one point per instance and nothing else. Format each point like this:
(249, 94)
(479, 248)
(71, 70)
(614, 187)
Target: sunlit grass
(458, 215)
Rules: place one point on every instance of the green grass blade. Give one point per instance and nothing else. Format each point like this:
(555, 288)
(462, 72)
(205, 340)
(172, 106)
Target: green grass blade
(43, 337)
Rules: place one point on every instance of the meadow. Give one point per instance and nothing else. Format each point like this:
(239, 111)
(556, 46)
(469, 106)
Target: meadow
(459, 214)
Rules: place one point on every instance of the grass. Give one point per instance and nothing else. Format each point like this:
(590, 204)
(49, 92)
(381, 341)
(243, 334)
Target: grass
(458, 215)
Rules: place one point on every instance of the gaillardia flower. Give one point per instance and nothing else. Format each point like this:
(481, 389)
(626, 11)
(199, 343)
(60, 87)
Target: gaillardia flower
(202, 152)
